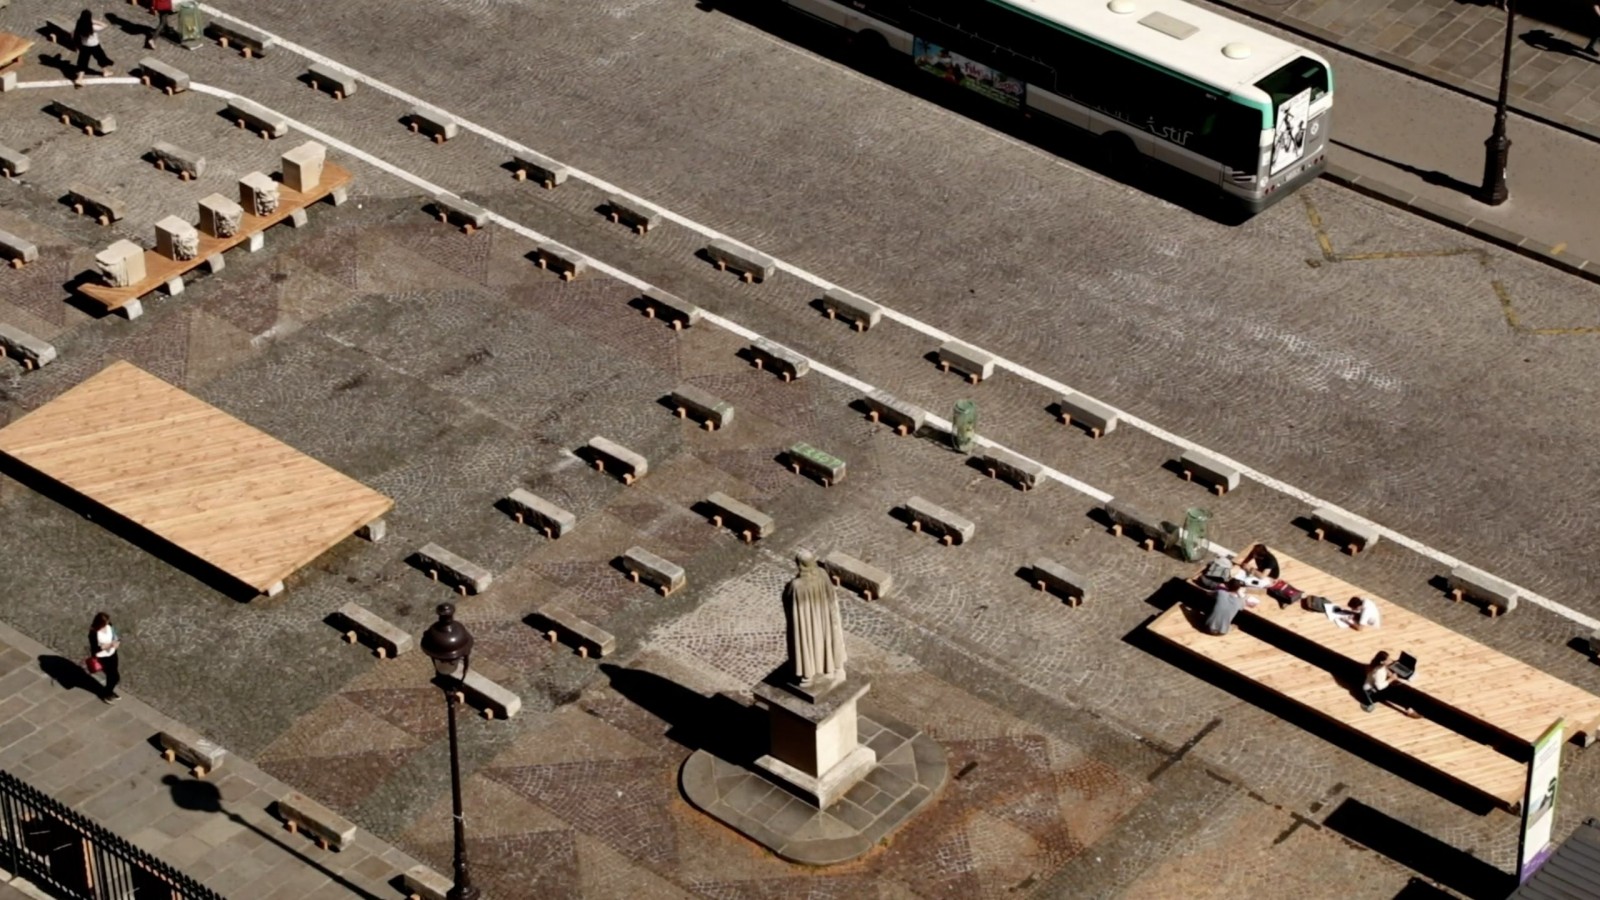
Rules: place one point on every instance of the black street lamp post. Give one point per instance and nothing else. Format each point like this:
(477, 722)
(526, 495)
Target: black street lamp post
(1497, 149)
(449, 644)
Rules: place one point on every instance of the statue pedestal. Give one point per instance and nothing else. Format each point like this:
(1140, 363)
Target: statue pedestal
(815, 747)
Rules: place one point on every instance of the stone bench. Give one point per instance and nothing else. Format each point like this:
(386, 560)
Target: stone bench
(59, 31)
(1049, 575)
(647, 568)
(953, 529)
(326, 78)
(494, 700)
(1207, 469)
(91, 119)
(1096, 417)
(1128, 519)
(712, 410)
(299, 812)
(389, 639)
(450, 208)
(13, 162)
(903, 417)
(779, 359)
(751, 265)
(1002, 463)
(1355, 535)
(1498, 594)
(565, 261)
(541, 168)
(18, 250)
(433, 123)
(529, 508)
(749, 523)
(188, 165)
(631, 465)
(825, 467)
(251, 42)
(32, 351)
(669, 308)
(183, 743)
(969, 361)
(589, 638)
(424, 883)
(632, 213)
(871, 582)
(157, 74)
(853, 308)
(467, 576)
(89, 200)
(248, 113)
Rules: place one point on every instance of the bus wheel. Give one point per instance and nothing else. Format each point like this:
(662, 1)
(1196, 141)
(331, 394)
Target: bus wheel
(1120, 155)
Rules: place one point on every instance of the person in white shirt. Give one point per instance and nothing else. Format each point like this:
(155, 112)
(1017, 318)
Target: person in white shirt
(87, 36)
(1380, 675)
(1363, 614)
(103, 644)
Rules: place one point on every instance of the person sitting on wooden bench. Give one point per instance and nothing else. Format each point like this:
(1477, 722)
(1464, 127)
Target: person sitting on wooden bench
(1363, 613)
(1229, 600)
(1380, 676)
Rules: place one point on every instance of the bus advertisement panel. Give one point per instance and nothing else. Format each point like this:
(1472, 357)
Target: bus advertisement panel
(970, 74)
(1289, 137)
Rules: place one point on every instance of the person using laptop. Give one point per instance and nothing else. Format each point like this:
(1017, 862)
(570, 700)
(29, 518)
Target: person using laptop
(1381, 675)
(1362, 614)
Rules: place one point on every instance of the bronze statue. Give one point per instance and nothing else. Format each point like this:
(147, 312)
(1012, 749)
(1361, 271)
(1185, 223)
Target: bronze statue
(816, 632)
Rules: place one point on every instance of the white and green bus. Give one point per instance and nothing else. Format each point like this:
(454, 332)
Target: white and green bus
(1212, 97)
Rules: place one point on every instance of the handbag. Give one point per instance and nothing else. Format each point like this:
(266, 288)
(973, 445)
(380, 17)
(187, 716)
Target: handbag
(92, 663)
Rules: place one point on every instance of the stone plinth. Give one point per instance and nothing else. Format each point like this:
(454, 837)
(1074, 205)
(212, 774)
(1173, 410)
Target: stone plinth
(258, 193)
(302, 166)
(122, 263)
(177, 239)
(815, 747)
(219, 216)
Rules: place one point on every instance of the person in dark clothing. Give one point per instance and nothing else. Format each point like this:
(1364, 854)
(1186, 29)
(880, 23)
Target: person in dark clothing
(163, 11)
(103, 644)
(1261, 562)
(86, 34)
(1595, 34)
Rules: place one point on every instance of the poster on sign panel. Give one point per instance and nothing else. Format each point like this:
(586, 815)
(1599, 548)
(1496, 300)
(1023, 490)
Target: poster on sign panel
(968, 73)
(1539, 803)
(1289, 137)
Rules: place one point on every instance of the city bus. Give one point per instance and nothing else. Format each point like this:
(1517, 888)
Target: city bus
(1160, 80)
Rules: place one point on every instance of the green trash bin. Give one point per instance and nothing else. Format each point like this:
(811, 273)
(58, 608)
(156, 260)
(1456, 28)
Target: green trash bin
(191, 22)
(1192, 536)
(963, 425)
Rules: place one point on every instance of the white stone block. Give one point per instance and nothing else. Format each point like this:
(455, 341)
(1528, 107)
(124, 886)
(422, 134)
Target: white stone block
(219, 216)
(177, 239)
(302, 166)
(122, 263)
(258, 194)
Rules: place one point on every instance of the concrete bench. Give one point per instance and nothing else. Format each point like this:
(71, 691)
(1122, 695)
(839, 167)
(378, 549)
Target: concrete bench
(326, 78)
(871, 582)
(853, 308)
(93, 201)
(1208, 469)
(1355, 535)
(647, 568)
(529, 508)
(1096, 417)
(389, 639)
(1128, 519)
(632, 213)
(32, 351)
(450, 208)
(1499, 595)
(589, 638)
(632, 466)
(903, 417)
(299, 812)
(157, 74)
(59, 31)
(565, 261)
(712, 410)
(541, 168)
(969, 361)
(186, 744)
(825, 467)
(1049, 575)
(18, 250)
(91, 119)
(669, 308)
(751, 265)
(248, 113)
(432, 123)
(251, 42)
(749, 523)
(1002, 463)
(779, 359)
(13, 162)
(953, 529)
(494, 700)
(171, 157)
(424, 883)
(467, 576)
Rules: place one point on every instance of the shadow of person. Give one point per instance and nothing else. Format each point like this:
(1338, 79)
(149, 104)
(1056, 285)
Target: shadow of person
(193, 794)
(1540, 39)
(718, 724)
(69, 675)
(1431, 176)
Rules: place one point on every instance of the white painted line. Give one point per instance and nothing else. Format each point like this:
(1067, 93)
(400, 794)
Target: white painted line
(67, 82)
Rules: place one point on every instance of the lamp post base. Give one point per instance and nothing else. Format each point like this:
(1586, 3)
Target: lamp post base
(1496, 153)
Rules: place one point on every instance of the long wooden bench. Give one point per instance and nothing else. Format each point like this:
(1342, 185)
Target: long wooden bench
(1448, 752)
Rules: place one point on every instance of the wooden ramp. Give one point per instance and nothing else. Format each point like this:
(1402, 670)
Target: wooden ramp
(12, 48)
(1482, 683)
(1478, 766)
(227, 493)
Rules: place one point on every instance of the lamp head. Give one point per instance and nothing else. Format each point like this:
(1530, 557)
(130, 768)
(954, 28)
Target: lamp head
(447, 642)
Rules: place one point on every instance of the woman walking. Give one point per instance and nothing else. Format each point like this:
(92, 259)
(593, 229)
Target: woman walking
(87, 36)
(103, 643)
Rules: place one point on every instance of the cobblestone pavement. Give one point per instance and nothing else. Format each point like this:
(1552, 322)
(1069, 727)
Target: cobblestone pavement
(445, 369)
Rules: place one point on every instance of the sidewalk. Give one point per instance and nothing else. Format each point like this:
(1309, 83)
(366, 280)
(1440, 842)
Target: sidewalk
(99, 759)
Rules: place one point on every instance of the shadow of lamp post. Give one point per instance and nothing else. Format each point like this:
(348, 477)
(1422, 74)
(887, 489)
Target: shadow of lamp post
(1497, 149)
(449, 644)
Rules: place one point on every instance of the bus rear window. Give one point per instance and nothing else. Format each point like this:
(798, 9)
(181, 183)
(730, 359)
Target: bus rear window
(1295, 77)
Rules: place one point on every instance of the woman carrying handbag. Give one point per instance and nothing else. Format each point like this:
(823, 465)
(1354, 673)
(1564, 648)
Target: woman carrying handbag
(103, 644)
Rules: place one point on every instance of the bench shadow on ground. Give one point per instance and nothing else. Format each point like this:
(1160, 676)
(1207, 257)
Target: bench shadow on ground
(1431, 176)
(1421, 852)
(719, 724)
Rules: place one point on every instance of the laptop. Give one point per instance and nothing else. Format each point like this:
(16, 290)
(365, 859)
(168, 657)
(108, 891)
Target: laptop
(1405, 666)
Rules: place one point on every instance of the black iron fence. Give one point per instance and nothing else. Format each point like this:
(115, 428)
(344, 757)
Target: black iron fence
(72, 856)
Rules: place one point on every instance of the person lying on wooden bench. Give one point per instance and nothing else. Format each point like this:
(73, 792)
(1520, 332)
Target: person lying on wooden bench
(1363, 613)
(1380, 676)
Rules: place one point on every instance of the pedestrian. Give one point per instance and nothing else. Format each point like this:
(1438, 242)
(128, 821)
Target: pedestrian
(103, 644)
(1595, 34)
(163, 11)
(1229, 600)
(87, 36)
(1380, 676)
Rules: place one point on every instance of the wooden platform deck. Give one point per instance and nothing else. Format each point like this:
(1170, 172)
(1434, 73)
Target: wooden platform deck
(12, 48)
(231, 495)
(159, 269)
(1478, 766)
(1485, 684)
